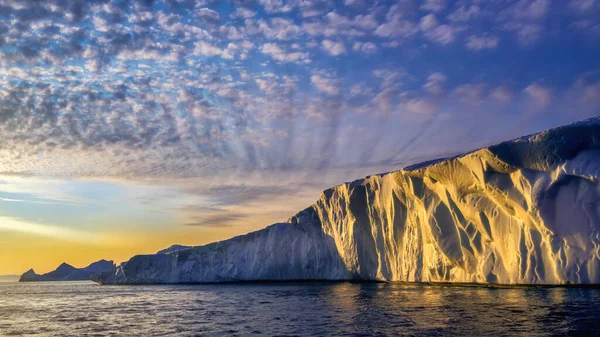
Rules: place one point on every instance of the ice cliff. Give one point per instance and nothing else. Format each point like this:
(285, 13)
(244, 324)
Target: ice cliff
(66, 272)
(526, 211)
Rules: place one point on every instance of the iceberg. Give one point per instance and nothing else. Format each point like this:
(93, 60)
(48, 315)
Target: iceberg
(173, 248)
(525, 211)
(66, 272)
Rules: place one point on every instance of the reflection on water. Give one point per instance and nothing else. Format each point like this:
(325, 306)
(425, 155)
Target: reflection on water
(306, 309)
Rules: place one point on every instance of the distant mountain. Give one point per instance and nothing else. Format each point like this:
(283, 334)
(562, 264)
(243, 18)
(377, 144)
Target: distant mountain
(525, 211)
(66, 272)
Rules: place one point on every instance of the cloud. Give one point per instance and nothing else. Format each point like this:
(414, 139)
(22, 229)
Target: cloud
(334, 24)
(216, 220)
(435, 82)
(465, 13)
(528, 34)
(311, 8)
(441, 34)
(37, 201)
(582, 5)
(206, 49)
(333, 48)
(434, 5)
(10, 224)
(385, 100)
(481, 42)
(245, 13)
(366, 21)
(276, 6)
(354, 2)
(419, 107)
(279, 28)
(184, 89)
(502, 94)
(278, 54)
(365, 47)
(470, 93)
(396, 28)
(428, 22)
(540, 96)
(325, 85)
(208, 15)
(530, 9)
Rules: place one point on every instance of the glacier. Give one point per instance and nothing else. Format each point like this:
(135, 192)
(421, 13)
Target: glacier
(525, 211)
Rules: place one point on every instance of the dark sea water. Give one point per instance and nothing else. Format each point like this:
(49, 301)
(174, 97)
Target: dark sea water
(295, 309)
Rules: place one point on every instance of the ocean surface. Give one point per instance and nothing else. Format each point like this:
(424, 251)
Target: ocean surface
(295, 309)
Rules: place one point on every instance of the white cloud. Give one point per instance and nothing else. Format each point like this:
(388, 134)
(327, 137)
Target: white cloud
(206, 49)
(365, 47)
(354, 2)
(316, 29)
(100, 24)
(390, 78)
(470, 94)
(243, 12)
(396, 28)
(278, 54)
(465, 13)
(367, 22)
(435, 82)
(530, 9)
(441, 34)
(312, 8)
(275, 6)
(230, 52)
(481, 42)
(338, 21)
(582, 5)
(434, 5)
(528, 34)
(420, 107)
(333, 48)
(232, 33)
(428, 22)
(501, 94)
(384, 100)
(334, 24)
(325, 85)
(208, 14)
(280, 29)
(540, 95)
(586, 93)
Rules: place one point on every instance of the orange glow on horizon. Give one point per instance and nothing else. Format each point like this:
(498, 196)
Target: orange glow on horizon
(20, 252)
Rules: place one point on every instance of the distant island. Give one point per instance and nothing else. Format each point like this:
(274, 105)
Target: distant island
(66, 272)
(524, 211)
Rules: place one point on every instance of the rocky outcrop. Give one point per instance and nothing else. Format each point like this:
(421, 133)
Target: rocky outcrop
(66, 272)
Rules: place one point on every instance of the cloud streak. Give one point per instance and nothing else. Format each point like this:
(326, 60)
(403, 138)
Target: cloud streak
(10, 224)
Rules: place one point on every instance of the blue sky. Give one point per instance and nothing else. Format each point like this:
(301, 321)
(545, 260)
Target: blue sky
(213, 118)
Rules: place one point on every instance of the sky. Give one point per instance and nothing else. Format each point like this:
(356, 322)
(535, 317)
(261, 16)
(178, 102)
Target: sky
(128, 126)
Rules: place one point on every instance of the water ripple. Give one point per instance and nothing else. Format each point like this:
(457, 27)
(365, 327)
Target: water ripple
(300, 309)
